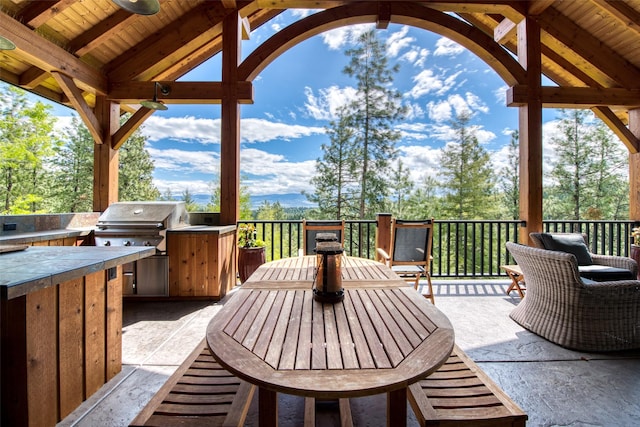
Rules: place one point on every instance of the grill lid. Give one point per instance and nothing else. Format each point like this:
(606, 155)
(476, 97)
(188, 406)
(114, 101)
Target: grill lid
(144, 214)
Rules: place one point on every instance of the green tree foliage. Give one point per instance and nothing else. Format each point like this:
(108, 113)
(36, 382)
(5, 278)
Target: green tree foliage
(245, 200)
(373, 114)
(424, 201)
(357, 163)
(400, 187)
(510, 178)
(468, 180)
(587, 172)
(71, 188)
(336, 183)
(135, 175)
(190, 203)
(26, 139)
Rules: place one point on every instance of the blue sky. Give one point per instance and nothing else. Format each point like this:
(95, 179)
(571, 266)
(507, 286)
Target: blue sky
(296, 96)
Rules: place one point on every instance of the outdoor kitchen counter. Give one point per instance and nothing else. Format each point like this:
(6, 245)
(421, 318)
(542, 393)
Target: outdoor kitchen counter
(60, 328)
(202, 261)
(38, 267)
(35, 237)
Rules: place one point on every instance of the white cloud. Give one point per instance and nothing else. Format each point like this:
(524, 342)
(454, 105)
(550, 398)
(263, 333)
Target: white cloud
(182, 160)
(447, 47)
(416, 56)
(284, 177)
(207, 131)
(439, 111)
(339, 37)
(420, 161)
(426, 83)
(442, 111)
(329, 100)
(398, 41)
(177, 187)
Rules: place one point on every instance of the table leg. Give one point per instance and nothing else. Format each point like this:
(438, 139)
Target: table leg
(397, 408)
(515, 283)
(267, 408)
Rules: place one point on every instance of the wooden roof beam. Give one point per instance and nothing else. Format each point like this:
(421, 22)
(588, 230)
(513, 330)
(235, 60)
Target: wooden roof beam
(624, 13)
(576, 97)
(100, 32)
(80, 105)
(50, 57)
(36, 13)
(31, 78)
(615, 124)
(130, 126)
(150, 53)
(181, 92)
(589, 48)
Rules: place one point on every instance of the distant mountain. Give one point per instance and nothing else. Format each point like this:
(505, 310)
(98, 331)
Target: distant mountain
(286, 200)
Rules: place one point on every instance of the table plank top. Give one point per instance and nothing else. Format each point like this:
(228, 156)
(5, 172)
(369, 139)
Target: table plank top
(381, 337)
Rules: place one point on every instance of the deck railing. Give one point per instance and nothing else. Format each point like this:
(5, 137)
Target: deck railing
(461, 249)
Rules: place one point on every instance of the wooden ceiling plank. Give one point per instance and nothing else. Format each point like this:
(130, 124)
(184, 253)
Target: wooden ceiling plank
(576, 97)
(32, 78)
(536, 7)
(626, 136)
(589, 48)
(624, 13)
(38, 15)
(100, 33)
(158, 47)
(181, 92)
(78, 102)
(49, 56)
(130, 126)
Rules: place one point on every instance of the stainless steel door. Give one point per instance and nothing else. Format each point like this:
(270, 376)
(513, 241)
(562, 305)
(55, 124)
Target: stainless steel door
(152, 276)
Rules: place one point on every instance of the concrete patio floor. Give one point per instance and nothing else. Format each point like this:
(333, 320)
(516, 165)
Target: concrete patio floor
(553, 385)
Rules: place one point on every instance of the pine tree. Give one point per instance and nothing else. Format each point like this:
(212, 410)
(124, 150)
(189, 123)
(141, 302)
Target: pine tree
(335, 181)
(400, 187)
(467, 175)
(587, 175)
(372, 115)
(26, 139)
(135, 178)
(510, 175)
(71, 189)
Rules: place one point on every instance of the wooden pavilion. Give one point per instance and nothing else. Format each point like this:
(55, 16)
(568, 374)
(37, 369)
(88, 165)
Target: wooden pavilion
(103, 60)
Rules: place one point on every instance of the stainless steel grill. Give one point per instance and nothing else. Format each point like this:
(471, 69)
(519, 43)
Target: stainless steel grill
(142, 224)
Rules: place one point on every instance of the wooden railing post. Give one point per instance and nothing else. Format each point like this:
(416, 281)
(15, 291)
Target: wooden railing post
(383, 233)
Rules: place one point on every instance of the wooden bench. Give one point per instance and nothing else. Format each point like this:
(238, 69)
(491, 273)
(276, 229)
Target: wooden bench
(459, 393)
(199, 393)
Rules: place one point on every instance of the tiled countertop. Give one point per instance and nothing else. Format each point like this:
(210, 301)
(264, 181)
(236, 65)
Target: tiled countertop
(38, 236)
(37, 267)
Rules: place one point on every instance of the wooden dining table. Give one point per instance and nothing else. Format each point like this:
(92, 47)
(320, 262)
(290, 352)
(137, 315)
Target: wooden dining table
(382, 337)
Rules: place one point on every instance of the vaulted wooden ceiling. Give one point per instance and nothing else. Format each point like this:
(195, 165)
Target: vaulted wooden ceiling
(71, 51)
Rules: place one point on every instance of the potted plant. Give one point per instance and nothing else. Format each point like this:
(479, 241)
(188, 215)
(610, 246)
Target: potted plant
(635, 246)
(251, 251)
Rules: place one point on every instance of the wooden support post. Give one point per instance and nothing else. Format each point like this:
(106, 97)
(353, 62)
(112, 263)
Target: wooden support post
(105, 158)
(634, 169)
(383, 233)
(530, 123)
(230, 122)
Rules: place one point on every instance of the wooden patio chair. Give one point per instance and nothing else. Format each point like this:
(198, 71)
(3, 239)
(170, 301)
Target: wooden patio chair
(310, 230)
(410, 258)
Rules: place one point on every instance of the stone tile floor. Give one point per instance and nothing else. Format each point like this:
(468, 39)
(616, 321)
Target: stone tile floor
(554, 386)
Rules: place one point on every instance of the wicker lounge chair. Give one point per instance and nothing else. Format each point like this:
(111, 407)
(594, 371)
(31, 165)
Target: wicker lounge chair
(571, 311)
(600, 268)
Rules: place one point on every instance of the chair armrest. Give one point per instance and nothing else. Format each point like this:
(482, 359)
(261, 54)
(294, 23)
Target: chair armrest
(616, 261)
(383, 254)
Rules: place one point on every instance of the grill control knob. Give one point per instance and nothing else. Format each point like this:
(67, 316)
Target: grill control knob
(106, 243)
(146, 243)
(126, 243)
